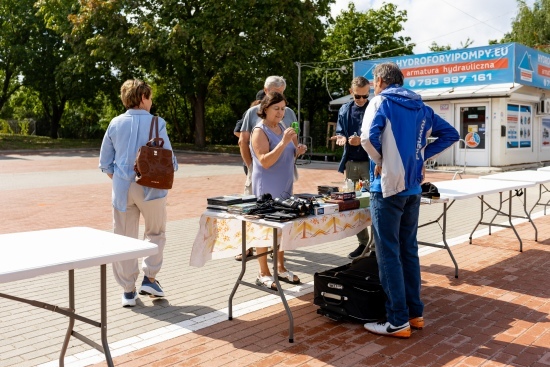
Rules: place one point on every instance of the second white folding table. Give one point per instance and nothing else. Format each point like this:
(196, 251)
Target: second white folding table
(473, 187)
(538, 177)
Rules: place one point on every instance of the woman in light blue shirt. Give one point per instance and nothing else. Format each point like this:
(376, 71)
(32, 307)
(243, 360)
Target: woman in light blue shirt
(124, 136)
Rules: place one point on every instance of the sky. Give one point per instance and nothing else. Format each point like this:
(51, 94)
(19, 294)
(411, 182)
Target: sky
(447, 22)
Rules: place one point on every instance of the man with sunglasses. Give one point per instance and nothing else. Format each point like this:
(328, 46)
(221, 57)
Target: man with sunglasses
(355, 160)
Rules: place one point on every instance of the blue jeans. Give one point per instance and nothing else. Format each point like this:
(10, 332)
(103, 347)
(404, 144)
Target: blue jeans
(395, 225)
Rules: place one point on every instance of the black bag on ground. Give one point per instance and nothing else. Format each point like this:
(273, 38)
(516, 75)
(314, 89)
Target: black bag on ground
(350, 292)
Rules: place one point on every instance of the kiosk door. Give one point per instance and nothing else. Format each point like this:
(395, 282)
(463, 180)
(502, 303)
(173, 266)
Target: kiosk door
(473, 128)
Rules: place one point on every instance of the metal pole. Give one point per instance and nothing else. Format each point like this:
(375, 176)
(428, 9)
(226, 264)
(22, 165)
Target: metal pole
(299, 87)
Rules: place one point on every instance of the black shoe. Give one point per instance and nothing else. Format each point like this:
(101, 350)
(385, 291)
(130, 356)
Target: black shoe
(357, 252)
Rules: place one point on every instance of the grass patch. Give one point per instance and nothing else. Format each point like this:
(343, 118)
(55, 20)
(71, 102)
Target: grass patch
(32, 142)
(26, 142)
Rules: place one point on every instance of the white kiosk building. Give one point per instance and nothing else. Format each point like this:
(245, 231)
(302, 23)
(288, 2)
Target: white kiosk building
(497, 97)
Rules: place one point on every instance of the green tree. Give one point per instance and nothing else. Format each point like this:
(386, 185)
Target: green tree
(532, 25)
(16, 19)
(434, 47)
(56, 67)
(357, 35)
(183, 46)
(351, 36)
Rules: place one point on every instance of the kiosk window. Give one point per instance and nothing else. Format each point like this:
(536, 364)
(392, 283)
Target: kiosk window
(519, 126)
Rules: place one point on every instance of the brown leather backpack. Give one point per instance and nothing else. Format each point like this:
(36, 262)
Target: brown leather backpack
(153, 165)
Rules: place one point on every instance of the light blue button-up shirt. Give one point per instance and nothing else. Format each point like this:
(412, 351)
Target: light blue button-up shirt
(124, 136)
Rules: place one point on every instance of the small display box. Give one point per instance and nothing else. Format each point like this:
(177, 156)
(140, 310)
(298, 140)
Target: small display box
(342, 195)
(326, 208)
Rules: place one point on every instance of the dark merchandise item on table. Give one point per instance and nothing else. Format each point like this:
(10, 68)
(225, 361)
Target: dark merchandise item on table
(344, 205)
(326, 190)
(429, 191)
(343, 195)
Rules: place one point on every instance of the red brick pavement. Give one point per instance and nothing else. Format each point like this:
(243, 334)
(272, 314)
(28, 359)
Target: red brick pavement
(495, 314)
(89, 204)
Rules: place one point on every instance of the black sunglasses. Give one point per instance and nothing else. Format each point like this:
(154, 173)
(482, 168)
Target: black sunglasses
(358, 96)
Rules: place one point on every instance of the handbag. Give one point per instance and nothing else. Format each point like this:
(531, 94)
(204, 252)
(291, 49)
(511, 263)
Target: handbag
(153, 166)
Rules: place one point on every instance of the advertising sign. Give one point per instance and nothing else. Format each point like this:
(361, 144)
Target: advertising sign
(502, 63)
(519, 126)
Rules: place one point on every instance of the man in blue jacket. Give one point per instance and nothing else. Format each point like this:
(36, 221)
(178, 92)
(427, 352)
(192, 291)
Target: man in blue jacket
(395, 129)
(355, 161)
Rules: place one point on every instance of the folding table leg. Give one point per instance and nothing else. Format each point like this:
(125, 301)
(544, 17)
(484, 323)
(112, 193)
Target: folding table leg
(243, 271)
(280, 289)
(104, 342)
(510, 221)
(72, 315)
(71, 320)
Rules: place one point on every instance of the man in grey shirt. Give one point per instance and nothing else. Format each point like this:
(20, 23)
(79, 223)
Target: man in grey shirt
(251, 119)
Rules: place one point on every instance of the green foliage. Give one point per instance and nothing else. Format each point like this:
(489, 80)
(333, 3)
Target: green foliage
(220, 122)
(183, 46)
(532, 25)
(24, 103)
(5, 127)
(24, 126)
(351, 36)
(16, 17)
(434, 47)
(205, 59)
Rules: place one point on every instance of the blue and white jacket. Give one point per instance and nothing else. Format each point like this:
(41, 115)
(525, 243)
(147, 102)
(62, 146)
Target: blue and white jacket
(395, 129)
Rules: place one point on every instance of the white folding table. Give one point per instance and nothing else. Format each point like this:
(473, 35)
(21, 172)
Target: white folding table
(31, 254)
(473, 187)
(538, 177)
(222, 234)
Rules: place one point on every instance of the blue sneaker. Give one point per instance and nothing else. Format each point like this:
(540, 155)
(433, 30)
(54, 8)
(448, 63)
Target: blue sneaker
(150, 288)
(129, 299)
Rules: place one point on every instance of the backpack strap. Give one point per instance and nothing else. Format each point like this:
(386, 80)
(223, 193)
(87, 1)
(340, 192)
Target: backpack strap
(159, 142)
(155, 123)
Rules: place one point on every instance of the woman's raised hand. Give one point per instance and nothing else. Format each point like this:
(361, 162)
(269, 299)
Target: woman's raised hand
(288, 135)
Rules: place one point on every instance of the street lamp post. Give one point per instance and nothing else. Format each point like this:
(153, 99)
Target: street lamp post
(341, 69)
(299, 65)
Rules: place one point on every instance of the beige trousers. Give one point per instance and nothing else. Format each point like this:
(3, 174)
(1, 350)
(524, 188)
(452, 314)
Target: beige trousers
(127, 224)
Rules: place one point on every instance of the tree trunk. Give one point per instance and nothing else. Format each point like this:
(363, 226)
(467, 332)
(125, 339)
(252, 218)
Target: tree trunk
(57, 113)
(198, 102)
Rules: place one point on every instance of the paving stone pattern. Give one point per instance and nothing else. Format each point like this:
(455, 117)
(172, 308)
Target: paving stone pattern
(494, 314)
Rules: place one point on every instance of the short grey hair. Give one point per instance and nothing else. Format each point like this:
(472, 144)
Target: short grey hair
(359, 82)
(275, 81)
(389, 72)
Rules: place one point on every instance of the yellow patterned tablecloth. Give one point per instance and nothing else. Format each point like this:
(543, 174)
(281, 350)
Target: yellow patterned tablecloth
(220, 233)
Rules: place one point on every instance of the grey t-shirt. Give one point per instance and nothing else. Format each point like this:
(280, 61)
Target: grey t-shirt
(251, 118)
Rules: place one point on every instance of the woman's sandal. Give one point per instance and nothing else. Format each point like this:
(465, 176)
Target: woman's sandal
(289, 277)
(249, 252)
(266, 281)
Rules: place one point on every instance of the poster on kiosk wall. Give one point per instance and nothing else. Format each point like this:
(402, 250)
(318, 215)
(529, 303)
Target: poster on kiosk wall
(519, 127)
(545, 133)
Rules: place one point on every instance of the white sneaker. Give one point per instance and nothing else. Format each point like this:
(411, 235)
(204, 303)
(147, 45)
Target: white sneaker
(387, 329)
(129, 299)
